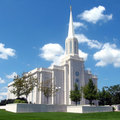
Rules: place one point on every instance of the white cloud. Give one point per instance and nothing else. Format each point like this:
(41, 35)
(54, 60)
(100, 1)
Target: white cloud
(109, 54)
(3, 93)
(2, 81)
(5, 52)
(1, 97)
(78, 25)
(4, 89)
(11, 76)
(55, 53)
(95, 14)
(83, 55)
(89, 69)
(91, 43)
(52, 52)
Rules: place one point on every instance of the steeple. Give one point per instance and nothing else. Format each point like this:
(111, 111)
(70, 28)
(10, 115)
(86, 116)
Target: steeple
(71, 29)
(71, 43)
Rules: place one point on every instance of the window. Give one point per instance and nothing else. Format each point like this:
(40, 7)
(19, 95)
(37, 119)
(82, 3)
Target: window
(75, 47)
(77, 80)
(70, 46)
(77, 73)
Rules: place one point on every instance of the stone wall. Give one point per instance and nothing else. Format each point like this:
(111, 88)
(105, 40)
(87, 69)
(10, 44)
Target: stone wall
(3, 107)
(74, 109)
(92, 109)
(117, 107)
(88, 109)
(11, 107)
(21, 108)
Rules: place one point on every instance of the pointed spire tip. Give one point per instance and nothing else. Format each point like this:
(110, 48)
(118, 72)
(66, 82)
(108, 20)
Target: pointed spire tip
(71, 29)
(70, 8)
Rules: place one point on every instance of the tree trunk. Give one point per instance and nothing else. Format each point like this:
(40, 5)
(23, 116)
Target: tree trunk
(47, 99)
(76, 103)
(26, 97)
(90, 101)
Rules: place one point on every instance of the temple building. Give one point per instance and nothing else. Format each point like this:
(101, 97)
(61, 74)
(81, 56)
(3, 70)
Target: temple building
(70, 71)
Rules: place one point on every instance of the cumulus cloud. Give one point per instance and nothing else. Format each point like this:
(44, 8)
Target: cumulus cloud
(109, 54)
(6, 52)
(1, 97)
(55, 53)
(95, 14)
(3, 93)
(4, 88)
(91, 43)
(52, 52)
(2, 81)
(78, 25)
(83, 55)
(11, 76)
(89, 69)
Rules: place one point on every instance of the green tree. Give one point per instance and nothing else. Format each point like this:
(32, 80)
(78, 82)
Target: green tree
(115, 93)
(29, 82)
(47, 88)
(17, 86)
(104, 97)
(23, 85)
(75, 94)
(90, 91)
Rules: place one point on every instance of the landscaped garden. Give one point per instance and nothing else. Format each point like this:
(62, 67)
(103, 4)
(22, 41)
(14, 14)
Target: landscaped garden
(59, 116)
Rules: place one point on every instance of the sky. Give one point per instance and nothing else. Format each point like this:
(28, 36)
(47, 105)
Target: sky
(33, 33)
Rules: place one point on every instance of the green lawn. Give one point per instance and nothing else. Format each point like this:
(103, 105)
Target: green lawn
(59, 116)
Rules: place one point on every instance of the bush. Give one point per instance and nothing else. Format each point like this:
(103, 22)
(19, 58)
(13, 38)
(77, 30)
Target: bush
(4, 102)
(9, 101)
(19, 101)
(113, 108)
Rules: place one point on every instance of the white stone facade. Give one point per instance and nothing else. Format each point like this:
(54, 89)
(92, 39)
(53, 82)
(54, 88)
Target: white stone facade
(70, 71)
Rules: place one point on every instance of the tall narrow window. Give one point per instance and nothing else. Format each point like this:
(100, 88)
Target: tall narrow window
(70, 46)
(75, 47)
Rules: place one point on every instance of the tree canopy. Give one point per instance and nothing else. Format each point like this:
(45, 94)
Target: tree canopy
(47, 88)
(90, 91)
(29, 83)
(110, 95)
(17, 86)
(104, 97)
(23, 85)
(75, 94)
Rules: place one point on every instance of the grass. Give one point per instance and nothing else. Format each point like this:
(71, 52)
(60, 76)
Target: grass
(59, 116)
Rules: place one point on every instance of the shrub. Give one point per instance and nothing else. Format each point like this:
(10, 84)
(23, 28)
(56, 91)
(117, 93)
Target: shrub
(19, 101)
(4, 102)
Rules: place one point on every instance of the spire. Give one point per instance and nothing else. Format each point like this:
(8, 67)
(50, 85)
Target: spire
(71, 43)
(71, 29)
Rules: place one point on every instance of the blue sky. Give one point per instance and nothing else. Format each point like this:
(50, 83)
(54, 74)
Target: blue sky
(30, 29)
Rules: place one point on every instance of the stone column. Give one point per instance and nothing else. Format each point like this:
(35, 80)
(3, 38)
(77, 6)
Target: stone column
(70, 79)
(40, 94)
(53, 80)
(65, 80)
